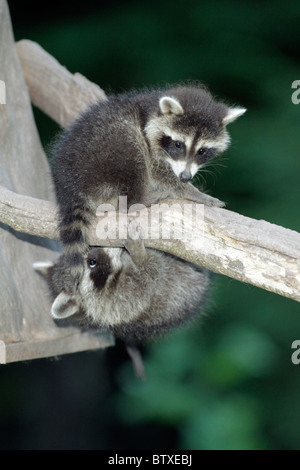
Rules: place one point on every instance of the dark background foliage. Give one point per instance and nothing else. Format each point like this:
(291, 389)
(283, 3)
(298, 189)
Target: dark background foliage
(227, 383)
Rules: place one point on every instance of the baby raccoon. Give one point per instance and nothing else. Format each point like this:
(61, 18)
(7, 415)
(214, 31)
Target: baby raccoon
(146, 146)
(135, 302)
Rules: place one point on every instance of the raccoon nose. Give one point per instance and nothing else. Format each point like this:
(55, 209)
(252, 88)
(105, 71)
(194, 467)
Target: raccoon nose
(185, 176)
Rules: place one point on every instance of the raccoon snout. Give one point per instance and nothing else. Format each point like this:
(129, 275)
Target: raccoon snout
(185, 176)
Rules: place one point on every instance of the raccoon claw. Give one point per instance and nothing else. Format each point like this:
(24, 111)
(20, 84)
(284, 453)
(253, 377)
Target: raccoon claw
(214, 202)
(210, 201)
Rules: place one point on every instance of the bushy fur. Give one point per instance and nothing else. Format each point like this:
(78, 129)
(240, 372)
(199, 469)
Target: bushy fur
(134, 302)
(119, 148)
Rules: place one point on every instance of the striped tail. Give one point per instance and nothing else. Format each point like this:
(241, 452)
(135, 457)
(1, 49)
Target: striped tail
(73, 228)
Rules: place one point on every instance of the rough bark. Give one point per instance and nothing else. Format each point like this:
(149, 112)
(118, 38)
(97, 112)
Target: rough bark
(26, 328)
(53, 89)
(252, 251)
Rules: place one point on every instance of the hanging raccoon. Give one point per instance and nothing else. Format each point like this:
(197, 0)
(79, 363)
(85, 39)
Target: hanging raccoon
(135, 297)
(146, 146)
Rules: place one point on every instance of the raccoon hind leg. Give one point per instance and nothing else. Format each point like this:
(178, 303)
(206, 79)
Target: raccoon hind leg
(137, 360)
(135, 245)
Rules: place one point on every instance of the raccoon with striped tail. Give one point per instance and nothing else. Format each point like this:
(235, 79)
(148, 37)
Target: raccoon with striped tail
(144, 145)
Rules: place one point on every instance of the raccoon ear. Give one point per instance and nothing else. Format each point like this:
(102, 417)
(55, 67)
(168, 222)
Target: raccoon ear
(170, 105)
(64, 306)
(233, 114)
(43, 267)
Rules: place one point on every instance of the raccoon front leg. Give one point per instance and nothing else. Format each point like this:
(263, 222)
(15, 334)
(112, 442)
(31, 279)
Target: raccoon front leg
(189, 192)
(154, 197)
(193, 194)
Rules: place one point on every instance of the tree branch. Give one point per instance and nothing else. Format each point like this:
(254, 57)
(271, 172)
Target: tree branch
(27, 330)
(52, 88)
(252, 251)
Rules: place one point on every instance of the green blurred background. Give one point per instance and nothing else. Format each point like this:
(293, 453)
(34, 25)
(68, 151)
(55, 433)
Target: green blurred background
(227, 382)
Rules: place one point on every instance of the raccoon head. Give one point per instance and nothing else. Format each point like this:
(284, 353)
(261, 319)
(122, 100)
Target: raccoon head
(100, 271)
(189, 129)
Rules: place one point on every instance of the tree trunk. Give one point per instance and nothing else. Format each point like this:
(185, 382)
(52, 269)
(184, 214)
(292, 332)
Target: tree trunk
(26, 328)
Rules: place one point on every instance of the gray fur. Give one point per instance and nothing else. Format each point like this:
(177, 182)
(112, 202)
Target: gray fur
(135, 302)
(129, 146)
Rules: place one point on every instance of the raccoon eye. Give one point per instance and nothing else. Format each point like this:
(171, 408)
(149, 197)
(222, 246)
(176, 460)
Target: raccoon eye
(205, 154)
(178, 144)
(92, 263)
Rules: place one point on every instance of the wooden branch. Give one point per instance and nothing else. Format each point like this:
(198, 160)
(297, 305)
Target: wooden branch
(52, 88)
(252, 251)
(248, 250)
(28, 215)
(27, 330)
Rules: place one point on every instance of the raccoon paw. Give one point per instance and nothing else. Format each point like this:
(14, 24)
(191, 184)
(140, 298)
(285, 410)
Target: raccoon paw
(213, 202)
